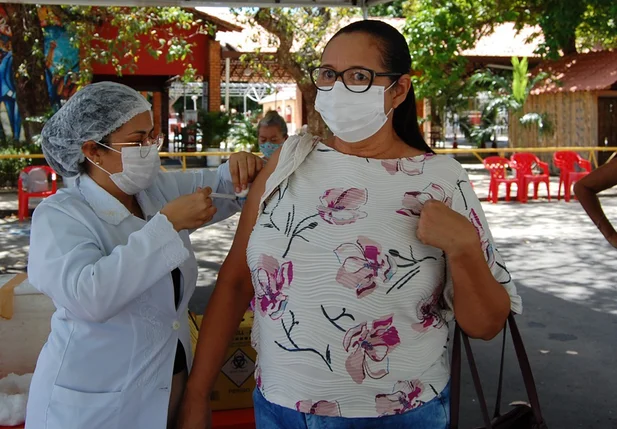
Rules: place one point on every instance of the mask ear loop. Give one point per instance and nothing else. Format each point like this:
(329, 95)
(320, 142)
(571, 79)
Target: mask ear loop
(96, 164)
(388, 89)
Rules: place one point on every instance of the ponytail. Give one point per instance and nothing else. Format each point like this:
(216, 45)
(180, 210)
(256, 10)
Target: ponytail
(406, 125)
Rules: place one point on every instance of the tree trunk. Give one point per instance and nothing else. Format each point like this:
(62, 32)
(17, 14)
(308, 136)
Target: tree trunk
(285, 33)
(569, 46)
(28, 48)
(315, 124)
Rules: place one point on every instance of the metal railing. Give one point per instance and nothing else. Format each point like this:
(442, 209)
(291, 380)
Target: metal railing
(592, 153)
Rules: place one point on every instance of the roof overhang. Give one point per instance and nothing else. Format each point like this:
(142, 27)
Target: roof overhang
(225, 3)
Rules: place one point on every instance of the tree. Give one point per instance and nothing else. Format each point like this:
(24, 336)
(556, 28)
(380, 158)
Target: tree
(135, 27)
(156, 30)
(299, 36)
(28, 51)
(567, 26)
(440, 30)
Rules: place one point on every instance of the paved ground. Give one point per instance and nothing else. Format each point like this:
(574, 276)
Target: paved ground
(565, 273)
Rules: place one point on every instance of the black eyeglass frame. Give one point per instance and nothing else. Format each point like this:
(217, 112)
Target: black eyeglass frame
(373, 74)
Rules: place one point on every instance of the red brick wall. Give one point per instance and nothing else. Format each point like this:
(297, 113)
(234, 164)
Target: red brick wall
(214, 75)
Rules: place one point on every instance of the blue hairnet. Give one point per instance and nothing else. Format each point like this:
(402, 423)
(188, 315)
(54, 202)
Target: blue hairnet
(91, 114)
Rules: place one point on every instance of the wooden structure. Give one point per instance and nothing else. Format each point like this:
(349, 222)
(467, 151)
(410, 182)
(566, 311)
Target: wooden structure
(580, 99)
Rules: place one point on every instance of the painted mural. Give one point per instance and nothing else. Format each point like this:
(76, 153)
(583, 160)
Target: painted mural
(60, 55)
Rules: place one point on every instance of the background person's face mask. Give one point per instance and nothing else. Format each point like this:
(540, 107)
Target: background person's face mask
(138, 172)
(268, 149)
(352, 116)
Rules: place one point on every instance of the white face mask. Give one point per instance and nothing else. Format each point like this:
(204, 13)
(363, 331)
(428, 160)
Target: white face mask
(352, 116)
(138, 173)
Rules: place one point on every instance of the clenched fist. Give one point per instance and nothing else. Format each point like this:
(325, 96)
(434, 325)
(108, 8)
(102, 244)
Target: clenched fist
(442, 227)
(190, 211)
(244, 167)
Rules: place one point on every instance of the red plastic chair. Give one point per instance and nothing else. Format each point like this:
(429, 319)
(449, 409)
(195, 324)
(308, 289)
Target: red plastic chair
(567, 162)
(498, 167)
(524, 164)
(23, 195)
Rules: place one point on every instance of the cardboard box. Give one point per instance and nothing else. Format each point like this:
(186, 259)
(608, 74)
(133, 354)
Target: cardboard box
(23, 335)
(235, 384)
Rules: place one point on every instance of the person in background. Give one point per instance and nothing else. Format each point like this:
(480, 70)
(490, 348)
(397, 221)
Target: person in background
(114, 254)
(271, 133)
(587, 190)
(358, 251)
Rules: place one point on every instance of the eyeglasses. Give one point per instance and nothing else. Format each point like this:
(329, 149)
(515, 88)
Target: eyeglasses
(145, 146)
(355, 79)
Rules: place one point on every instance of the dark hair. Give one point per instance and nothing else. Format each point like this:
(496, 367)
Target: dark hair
(395, 58)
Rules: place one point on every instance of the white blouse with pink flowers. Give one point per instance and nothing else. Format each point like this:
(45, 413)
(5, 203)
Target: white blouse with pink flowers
(351, 309)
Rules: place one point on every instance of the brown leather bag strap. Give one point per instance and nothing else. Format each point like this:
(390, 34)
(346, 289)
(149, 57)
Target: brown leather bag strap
(476, 381)
(523, 361)
(455, 374)
(455, 379)
(497, 412)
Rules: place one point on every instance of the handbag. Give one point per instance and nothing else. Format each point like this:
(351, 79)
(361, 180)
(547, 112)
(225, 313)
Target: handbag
(522, 415)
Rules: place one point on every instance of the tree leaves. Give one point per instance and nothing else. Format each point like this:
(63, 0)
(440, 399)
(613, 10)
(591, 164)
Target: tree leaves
(159, 31)
(299, 36)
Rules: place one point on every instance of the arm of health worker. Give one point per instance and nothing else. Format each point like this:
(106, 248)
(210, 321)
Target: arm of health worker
(233, 176)
(67, 263)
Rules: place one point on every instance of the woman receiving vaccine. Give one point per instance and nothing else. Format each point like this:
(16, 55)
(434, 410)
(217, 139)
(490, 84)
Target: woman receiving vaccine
(114, 255)
(358, 250)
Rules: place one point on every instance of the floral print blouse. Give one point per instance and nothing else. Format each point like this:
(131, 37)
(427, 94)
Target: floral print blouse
(351, 309)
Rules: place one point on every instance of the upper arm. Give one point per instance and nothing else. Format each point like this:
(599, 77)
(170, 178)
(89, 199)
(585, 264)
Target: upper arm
(235, 265)
(600, 179)
(466, 202)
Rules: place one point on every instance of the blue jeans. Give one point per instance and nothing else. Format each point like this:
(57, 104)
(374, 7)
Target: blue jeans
(435, 414)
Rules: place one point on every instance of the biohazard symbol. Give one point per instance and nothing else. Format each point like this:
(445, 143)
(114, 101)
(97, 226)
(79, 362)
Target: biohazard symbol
(238, 361)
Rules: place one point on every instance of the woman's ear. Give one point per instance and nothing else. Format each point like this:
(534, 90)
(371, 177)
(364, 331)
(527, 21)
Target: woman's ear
(401, 89)
(91, 151)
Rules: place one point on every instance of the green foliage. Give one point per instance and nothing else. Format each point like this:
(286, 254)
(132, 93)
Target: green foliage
(438, 32)
(541, 120)
(506, 93)
(394, 9)
(599, 26)
(244, 133)
(157, 30)
(299, 36)
(10, 168)
(214, 127)
(520, 80)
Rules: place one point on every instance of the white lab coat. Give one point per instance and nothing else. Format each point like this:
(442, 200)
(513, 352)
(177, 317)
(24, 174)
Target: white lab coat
(108, 361)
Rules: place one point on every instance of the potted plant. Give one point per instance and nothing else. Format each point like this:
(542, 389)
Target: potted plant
(214, 128)
(244, 134)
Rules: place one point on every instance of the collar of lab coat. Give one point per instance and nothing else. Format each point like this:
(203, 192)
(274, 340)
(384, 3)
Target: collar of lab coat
(108, 208)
